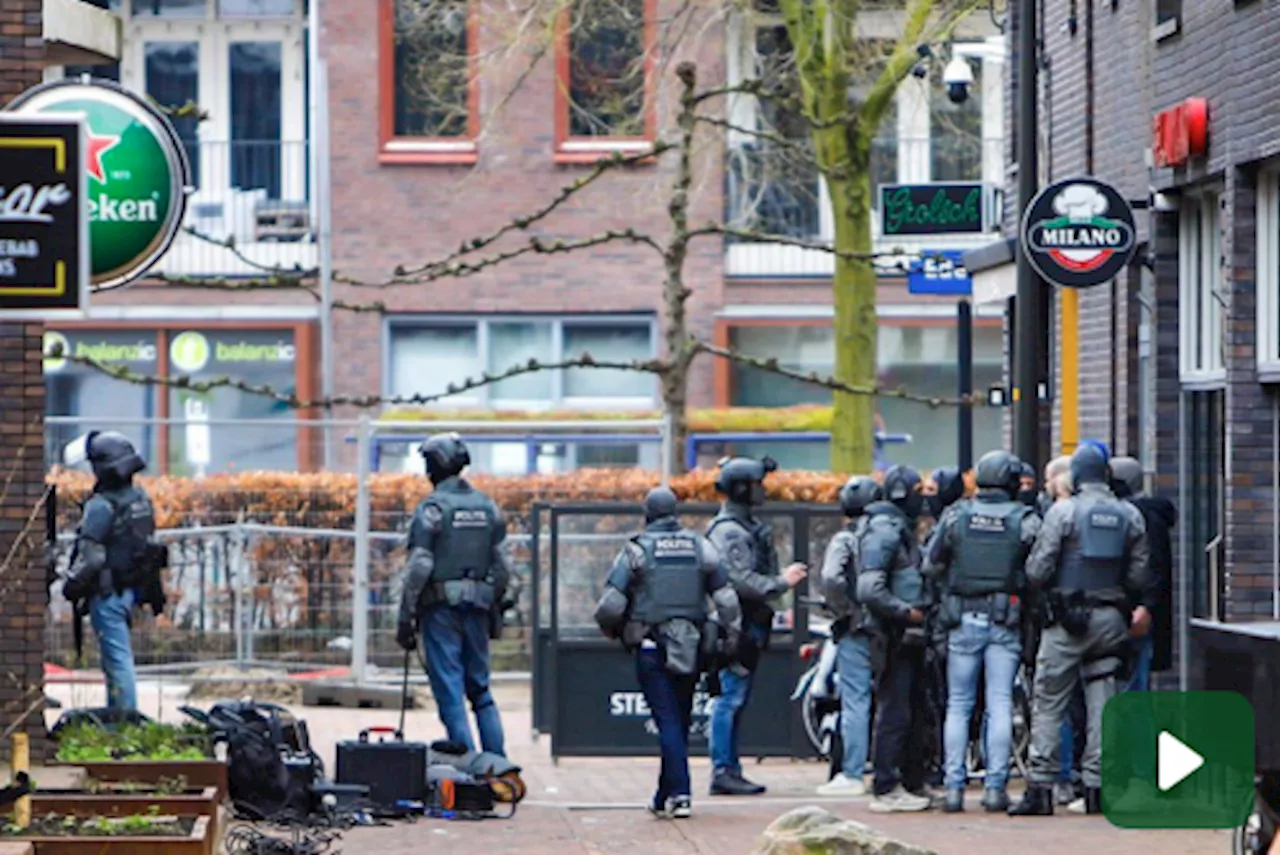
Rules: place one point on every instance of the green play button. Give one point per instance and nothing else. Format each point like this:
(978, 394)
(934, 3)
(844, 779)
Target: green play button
(1177, 760)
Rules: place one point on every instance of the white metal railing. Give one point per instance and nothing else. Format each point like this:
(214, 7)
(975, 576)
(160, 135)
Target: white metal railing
(253, 195)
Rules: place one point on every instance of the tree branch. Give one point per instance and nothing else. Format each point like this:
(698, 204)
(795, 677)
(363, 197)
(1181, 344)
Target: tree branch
(771, 365)
(403, 275)
(586, 360)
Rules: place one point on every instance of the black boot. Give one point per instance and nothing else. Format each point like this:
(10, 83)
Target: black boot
(995, 801)
(727, 783)
(1036, 801)
(1093, 800)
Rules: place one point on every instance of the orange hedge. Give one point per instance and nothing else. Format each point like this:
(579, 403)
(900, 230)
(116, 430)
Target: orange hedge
(329, 499)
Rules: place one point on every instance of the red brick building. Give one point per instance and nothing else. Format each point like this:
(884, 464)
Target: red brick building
(449, 120)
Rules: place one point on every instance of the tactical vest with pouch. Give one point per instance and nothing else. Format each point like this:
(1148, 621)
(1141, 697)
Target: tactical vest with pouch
(987, 548)
(672, 584)
(1097, 560)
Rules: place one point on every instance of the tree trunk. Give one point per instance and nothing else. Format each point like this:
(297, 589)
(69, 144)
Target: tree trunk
(854, 297)
(675, 400)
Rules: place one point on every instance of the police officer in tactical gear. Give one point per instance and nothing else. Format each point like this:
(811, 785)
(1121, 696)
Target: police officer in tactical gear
(455, 579)
(1092, 557)
(852, 629)
(114, 565)
(655, 602)
(892, 587)
(948, 488)
(979, 552)
(746, 547)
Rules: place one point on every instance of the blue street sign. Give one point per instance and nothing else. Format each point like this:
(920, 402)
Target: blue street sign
(939, 271)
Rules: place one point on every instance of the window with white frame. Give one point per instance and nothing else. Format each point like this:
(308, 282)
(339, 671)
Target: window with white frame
(1268, 275)
(426, 355)
(1200, 288)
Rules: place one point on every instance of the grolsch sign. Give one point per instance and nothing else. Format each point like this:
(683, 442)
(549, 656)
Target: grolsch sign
(1079, 233)
(44, 247)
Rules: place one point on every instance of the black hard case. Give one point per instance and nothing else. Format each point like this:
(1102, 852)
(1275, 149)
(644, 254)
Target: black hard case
(392, 769)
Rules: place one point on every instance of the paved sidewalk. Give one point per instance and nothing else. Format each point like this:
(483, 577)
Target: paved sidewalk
(596, 805)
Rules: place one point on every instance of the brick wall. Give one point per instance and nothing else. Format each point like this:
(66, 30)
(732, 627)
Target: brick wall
(384, 216)
(22, 592)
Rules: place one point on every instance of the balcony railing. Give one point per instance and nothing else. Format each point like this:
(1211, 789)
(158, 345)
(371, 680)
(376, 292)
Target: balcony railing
(780, 194)
(253, 195)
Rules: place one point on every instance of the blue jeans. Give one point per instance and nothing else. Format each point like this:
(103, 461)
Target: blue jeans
(853, 669)
(726, 715)
(974, 646)
(455, 642)
(670, 700)
(1140, 679)
(110, 617)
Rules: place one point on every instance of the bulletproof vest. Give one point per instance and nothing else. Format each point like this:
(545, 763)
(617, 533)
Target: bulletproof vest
(763, 554)
(464, 546)
(132, 526)
(671, 585)
(1095, 559)
(987, 548)
(907, 582)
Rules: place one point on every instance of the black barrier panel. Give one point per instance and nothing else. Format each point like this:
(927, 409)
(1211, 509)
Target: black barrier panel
(602, 712)
(582, 680)
(1243, 658)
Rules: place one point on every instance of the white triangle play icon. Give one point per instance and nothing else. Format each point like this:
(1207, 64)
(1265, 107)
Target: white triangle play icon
(1176, 761)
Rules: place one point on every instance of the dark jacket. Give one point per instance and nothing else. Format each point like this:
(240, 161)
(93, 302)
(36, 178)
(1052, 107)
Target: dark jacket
(1161, 516)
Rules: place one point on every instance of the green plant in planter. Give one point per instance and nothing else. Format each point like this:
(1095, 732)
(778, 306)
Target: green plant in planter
(85, 743)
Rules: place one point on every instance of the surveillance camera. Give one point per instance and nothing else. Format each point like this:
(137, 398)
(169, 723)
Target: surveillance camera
(958, 77)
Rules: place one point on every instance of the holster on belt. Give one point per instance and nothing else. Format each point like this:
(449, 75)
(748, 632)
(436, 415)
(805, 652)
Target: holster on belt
(1070, 610)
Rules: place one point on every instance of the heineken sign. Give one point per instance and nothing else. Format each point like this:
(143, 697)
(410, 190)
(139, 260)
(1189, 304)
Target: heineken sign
(137, 174)
(934, 209)
(44, 247)
(1079, 233)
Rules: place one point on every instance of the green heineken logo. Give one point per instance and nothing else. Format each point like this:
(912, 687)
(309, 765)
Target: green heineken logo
(137, 175)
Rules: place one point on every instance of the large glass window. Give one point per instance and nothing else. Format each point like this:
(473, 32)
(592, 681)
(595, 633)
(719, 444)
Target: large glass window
(255, 116)
(173, 80)
(607, 81)
(921, 359)
(432, 94)
(427, 356)
(1200, 287)
(80, 398)
(257, 357)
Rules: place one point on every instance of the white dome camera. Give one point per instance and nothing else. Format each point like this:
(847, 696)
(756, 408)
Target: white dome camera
(958, 76)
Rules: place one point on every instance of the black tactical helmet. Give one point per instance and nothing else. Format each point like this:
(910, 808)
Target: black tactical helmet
(902, 487)
(741, 479)
(1126, 476)
(950, 483)
(1088, 466)
(858, 492)
(112, 456)
(998, 470)
(659, 503)
(446, 455)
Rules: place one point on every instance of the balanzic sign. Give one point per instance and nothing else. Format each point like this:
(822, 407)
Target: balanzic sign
(1079, 233)
(44, 249)
(137, 174)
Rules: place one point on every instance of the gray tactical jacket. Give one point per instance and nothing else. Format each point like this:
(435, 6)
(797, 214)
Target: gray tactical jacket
(1057, 535)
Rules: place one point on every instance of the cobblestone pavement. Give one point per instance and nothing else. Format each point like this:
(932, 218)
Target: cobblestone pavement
(596, 805)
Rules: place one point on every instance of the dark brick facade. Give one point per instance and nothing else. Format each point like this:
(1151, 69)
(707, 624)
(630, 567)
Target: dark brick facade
(1223, 51)
(22, 590)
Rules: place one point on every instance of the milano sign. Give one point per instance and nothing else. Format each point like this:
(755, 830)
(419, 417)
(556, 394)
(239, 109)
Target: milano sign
(135, 169)
(1079, 233)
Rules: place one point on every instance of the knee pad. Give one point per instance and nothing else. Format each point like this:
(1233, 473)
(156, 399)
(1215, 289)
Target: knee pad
(1100, 669)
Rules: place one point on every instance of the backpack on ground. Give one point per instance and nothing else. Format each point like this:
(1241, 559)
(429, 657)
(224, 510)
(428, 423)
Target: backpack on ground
(272, 768)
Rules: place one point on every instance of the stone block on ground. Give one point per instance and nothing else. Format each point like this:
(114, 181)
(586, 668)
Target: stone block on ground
(814, 831)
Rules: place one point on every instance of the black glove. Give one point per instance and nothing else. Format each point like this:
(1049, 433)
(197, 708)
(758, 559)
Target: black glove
(406, 635)
(78, 586)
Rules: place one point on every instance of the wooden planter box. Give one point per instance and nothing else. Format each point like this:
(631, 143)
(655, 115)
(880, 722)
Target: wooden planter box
(84, 804)
(198, 842)
(199, 773)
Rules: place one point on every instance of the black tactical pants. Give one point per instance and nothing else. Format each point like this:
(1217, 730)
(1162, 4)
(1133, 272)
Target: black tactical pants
(902, 727)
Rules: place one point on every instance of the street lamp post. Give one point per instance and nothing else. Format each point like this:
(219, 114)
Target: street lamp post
(1029, 334)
